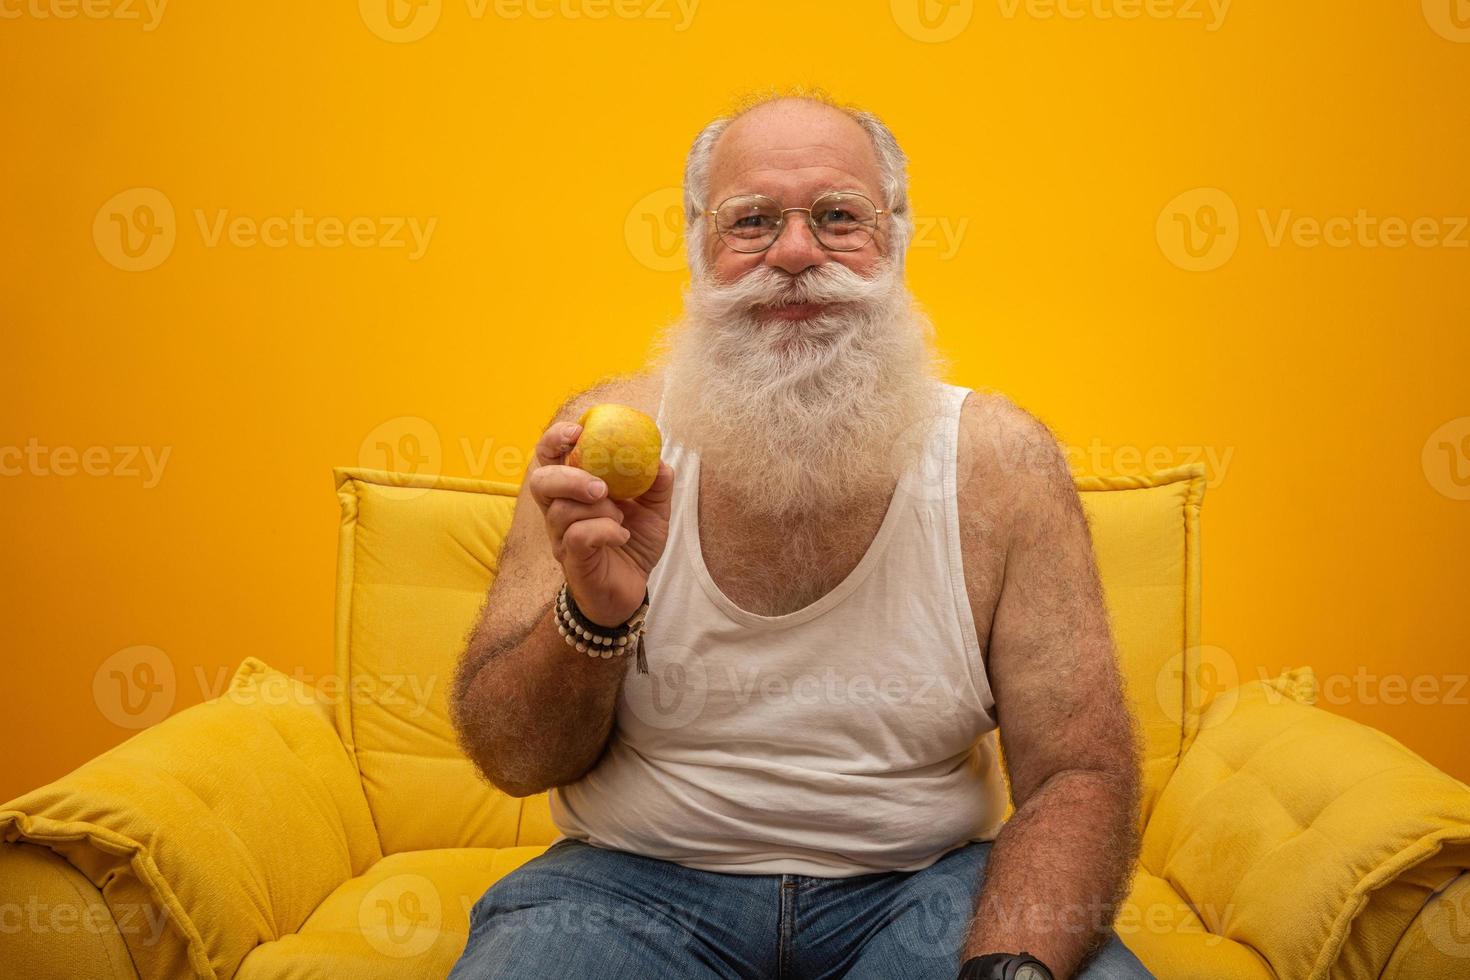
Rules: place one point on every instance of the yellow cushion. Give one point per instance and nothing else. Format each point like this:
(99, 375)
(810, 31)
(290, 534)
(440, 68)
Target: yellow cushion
(1145, 535)
(416, 555)
(1164, 931)
(1308, 837)
(220, 828)
(408, 916)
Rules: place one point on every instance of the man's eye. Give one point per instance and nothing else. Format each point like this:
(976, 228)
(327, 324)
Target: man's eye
(754, 221)
(837, 214)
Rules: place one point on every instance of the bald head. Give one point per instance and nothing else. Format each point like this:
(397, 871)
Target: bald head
(792, 148)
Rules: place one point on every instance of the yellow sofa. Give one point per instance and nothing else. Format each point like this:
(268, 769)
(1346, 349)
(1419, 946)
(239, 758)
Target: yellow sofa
(282, 830)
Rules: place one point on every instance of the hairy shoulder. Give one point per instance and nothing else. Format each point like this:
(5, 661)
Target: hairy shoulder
(1009, 460)
(1012, 482)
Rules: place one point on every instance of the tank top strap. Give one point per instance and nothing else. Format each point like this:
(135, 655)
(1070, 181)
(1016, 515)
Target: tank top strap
(951, 436)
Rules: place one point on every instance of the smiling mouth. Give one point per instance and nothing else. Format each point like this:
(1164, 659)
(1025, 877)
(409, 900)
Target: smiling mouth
(792, 311)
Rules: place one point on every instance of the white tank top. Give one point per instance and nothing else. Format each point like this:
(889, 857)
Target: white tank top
(854, 735)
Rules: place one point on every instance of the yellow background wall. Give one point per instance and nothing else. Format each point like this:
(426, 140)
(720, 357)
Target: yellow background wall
(1324, 384)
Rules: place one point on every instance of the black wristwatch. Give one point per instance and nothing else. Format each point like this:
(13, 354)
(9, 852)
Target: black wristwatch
(1005, 966)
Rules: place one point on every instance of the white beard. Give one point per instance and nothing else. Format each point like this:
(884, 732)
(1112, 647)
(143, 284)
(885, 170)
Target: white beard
(794, 420)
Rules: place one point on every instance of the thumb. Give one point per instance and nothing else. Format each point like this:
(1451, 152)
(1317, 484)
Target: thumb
(661, 492)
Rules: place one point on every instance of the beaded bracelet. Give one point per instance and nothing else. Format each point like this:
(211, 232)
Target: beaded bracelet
(601, 641)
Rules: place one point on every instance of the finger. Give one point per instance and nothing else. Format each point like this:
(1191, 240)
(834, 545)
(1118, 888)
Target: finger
(658, 496)
(556, 442)
(557, 482)
(584, 538)
(562, 514)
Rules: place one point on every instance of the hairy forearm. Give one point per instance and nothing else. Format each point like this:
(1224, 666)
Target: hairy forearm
(533, 713)
(1058, 870)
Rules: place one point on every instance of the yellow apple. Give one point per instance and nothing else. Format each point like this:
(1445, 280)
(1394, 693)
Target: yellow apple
(621, 446)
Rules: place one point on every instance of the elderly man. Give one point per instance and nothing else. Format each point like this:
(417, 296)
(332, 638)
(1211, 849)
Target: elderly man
(846, 575)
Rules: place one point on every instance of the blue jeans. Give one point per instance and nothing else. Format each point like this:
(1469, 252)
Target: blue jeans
(584, 911)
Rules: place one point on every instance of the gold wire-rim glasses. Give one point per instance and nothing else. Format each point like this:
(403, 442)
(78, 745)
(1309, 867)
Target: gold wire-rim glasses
(870, 227)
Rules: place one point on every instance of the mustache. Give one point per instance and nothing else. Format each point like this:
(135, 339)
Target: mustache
(767, 286)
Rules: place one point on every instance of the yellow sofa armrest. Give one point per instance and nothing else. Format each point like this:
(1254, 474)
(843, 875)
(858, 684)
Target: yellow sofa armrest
(1437, 945)
(54, 924)
(1311, 838)
(220, 828)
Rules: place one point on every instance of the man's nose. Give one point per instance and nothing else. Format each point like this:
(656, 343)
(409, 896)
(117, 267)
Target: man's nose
(796, 249)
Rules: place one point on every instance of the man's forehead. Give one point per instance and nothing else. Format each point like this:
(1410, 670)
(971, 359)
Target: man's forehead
(801, 148)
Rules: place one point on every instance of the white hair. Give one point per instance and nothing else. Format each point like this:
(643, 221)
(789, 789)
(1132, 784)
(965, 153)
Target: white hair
(892, 174)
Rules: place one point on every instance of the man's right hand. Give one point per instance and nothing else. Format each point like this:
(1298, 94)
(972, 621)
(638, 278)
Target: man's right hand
(607, 548)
